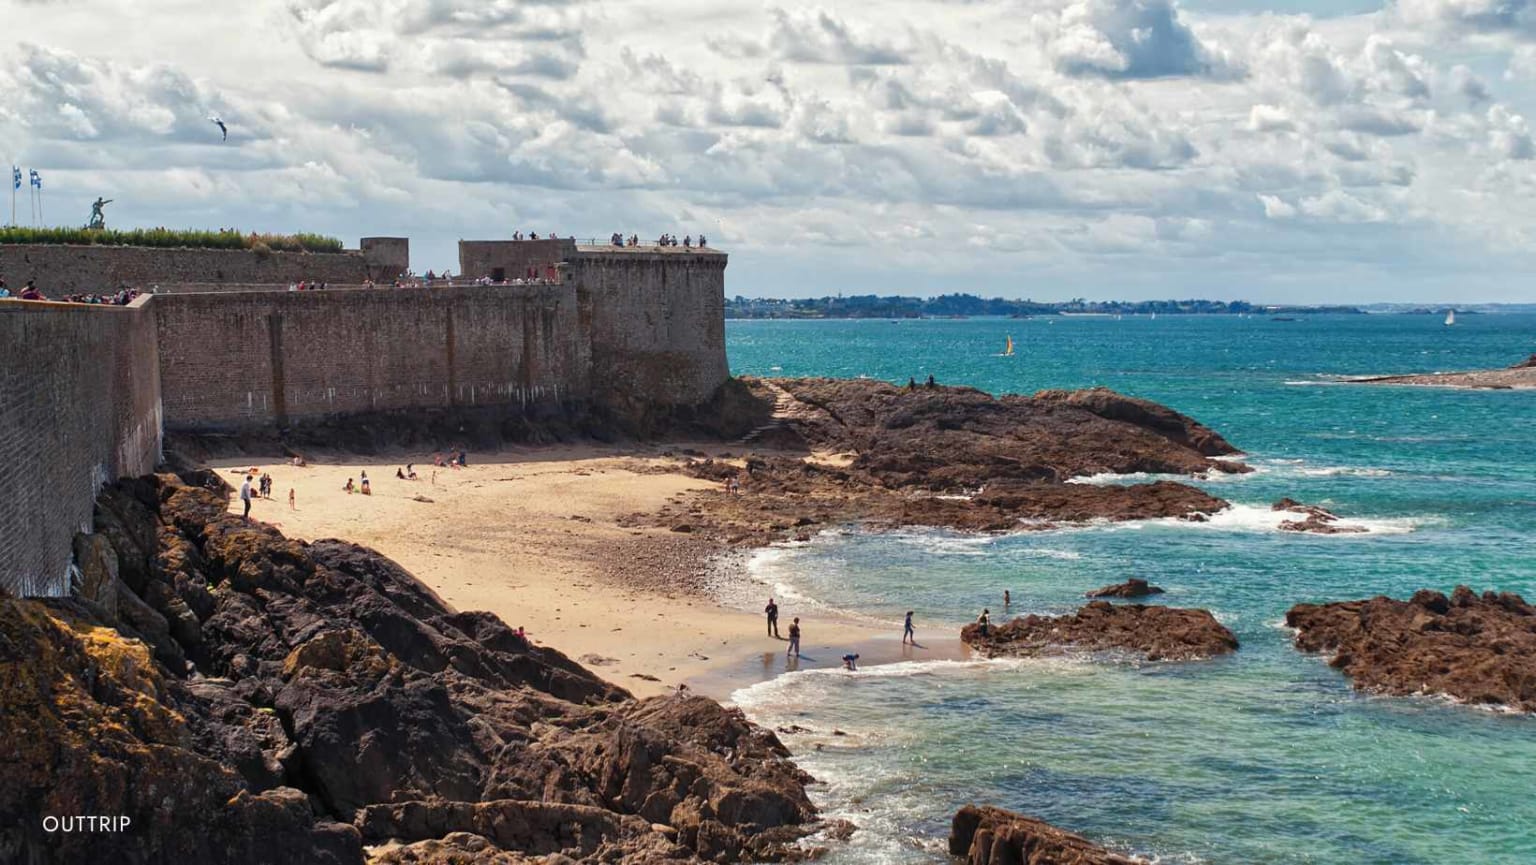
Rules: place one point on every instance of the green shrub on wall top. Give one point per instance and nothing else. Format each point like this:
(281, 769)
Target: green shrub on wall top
(165, 237)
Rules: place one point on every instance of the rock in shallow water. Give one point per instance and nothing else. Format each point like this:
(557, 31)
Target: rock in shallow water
(983, 835)
(1156, 633)
(1132, 588)
(1478, 649)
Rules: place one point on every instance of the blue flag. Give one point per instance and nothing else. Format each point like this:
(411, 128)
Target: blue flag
(37, 179)
(15, 177)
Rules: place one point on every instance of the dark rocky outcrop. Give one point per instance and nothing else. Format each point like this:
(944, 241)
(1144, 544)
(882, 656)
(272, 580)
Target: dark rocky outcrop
(958, 438)
(1155, 633)
(983, 835)
(1313, 519)
(1478, 649)
(321, 699)
(872, 452)
(1132, 588)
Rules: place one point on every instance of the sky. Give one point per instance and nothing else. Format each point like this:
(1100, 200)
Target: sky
(1304, 151)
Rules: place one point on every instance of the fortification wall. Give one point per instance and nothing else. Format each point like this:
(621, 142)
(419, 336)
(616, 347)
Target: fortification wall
(511, 259)
(254, 360)
(79, 406)
(657, 323)
(64, 269)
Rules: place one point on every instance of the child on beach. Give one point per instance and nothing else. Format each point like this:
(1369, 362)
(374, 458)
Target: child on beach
(349, 487)
(851, 661)
(794, 639)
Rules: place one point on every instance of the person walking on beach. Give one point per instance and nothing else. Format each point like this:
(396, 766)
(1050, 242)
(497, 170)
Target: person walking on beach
(772, 612)
(245, 496)
(291, 505)
(984, 622)
(794, 639)
(907, 634)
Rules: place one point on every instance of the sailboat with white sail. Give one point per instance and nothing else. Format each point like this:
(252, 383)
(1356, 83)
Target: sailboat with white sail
(1450, 318)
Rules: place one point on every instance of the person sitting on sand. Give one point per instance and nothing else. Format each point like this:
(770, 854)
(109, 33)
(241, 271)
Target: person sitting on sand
(437, 460)
(851, 661)
(410, 472)
(400, 474)
(906, 631)
(794, 639)
(349, 487)
(984, 622)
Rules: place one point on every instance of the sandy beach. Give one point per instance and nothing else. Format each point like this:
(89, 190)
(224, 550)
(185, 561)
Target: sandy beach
(534, 535)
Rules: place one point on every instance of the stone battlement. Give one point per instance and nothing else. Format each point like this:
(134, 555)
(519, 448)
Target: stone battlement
(67, 269)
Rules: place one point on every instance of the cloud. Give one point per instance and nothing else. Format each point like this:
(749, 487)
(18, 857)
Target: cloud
(1128, 39)
(1513, 17)
(1101, 142)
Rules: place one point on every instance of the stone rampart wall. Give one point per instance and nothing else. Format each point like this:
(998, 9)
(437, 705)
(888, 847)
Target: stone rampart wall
(62, 269)
(254, 360)
(657, 321)
(79, 407)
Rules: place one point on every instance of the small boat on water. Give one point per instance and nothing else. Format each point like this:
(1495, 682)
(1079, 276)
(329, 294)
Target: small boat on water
(1007, 348)
(1450, 318)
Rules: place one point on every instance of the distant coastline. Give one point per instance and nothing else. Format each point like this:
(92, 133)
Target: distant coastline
(968, 306)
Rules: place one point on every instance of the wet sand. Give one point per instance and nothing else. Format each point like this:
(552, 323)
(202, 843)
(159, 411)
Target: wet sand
(534, 535)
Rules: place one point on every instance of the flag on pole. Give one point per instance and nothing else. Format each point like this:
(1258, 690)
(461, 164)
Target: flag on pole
(15, 177)
(37, 179)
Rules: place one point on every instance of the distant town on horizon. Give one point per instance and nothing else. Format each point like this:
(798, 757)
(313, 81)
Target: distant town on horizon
(968, 305)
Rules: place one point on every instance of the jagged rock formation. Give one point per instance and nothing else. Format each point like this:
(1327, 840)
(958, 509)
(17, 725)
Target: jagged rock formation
(1314, 519)
(1478, 649)
(983, 835)
(1155, 633)
(256, 699)
(958, 438)
(956, 457)
(1132, 588)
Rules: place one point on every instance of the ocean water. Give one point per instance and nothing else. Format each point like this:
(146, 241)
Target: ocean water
(1264, 757)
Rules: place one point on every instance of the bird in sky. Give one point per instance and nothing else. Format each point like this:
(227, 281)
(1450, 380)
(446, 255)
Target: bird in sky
(222, 128)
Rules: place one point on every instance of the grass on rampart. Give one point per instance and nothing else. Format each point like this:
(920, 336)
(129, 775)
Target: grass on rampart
(164, 237)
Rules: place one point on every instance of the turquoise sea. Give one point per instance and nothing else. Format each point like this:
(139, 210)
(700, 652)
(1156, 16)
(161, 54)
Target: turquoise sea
(1265, 757)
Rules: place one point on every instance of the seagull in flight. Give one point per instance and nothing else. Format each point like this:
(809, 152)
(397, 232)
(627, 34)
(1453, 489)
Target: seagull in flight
(222, 128)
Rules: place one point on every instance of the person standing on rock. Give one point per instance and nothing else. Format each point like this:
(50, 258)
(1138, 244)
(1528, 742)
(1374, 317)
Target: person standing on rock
(907, 634)
(984, 622)
(794, 639)
(772, 612)
(245, 496)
